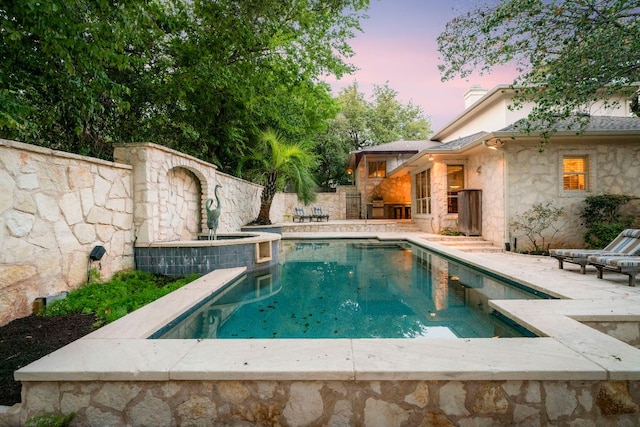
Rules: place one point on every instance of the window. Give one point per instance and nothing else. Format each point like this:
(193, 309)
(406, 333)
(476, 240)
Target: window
(423, 192)
(455, 183)
(575, 173)
(378, 169)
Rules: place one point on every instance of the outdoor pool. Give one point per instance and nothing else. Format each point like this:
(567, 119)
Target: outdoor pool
(355, 289)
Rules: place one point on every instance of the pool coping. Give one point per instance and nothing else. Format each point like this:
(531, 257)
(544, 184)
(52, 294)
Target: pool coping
(568, 350)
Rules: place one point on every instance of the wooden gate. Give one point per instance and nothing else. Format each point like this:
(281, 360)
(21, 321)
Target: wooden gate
(353, 205)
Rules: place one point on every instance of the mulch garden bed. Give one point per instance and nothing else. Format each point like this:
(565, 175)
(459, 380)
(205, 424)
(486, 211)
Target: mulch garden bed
(25, 340)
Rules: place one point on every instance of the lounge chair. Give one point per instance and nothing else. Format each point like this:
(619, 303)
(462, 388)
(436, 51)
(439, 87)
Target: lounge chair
(627, 243)
(300, 215)
(318, 215)
(629, 265)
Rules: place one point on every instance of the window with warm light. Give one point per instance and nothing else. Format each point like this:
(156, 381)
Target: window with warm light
(575, 173)
(378, 169)
(455, 183)
(423, 192)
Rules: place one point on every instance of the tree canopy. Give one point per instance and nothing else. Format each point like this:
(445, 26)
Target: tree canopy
(205, 77)
(365, 123)
(273, 162)
(362, 123)
(568, 54)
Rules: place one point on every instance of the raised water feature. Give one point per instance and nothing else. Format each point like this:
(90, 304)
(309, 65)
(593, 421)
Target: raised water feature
(203, 255)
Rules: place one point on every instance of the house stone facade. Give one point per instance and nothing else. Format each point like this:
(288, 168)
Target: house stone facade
(514, 172)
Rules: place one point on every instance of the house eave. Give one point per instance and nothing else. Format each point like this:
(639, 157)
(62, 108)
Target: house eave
(493, 93)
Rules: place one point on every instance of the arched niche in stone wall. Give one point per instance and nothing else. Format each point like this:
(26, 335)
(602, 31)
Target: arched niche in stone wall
(180, 205)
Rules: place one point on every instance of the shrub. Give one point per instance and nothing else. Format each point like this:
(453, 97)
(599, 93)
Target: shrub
(51, 420)
(534, 223)
(601, 215)
(111, 300)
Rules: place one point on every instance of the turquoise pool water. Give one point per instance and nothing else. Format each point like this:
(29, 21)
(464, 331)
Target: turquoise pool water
(354, 289)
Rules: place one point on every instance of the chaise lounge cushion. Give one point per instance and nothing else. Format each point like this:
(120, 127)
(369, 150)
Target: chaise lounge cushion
(318, 214)
(300, 214)
(626, 243)
(629, 265)
(616, 261)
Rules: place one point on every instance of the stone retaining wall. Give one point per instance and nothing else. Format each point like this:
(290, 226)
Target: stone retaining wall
(338, 403)
(625, 331)
(55, 208)
(332, 204)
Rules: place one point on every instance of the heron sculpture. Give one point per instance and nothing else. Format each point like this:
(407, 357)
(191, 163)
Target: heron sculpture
(213, 215)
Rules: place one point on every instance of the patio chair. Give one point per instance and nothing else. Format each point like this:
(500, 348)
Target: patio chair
(318, 215)
(300, 215)
(629, 265)
(627, 243)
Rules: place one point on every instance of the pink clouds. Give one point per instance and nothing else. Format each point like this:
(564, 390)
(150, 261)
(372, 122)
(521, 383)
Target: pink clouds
(398, 46)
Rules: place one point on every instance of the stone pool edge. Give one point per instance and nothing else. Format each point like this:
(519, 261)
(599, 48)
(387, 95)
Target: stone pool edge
(569, 350)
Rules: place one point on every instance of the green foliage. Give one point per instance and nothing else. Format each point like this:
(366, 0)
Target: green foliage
(601, 234)
(447, 231)
(603, 208)
(62, 67)
(363, 123)
(203, 77)
(569, 54)
(125, 292)
(275, 163)
(601, 215)
(332, 154)
(535, 221)
(51, 420)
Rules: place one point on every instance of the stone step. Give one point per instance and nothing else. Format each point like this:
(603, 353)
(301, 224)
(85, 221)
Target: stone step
(476, 248)
(464, 243)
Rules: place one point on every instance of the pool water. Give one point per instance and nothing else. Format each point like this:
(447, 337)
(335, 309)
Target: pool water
(354, 289)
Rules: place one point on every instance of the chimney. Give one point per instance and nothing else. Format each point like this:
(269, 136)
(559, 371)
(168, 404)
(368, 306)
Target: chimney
(474, 93)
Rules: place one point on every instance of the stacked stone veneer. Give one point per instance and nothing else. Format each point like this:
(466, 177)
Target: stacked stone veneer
(482, 171)
(536, 177)
(519, 175)
(54, 208)
(171, 191)
(338, 403)
(332, 204)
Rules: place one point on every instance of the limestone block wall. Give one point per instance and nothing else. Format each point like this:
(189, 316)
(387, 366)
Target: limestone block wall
(332, 204)
(338, 403)
(486, 172)
(241, 203)
(54, 208)
(160, 176)
(535, 177)
(395, 190)
(172, 189)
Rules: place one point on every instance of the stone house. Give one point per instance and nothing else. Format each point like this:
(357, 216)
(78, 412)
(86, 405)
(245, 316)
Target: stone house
(379, 194)
(479, 172)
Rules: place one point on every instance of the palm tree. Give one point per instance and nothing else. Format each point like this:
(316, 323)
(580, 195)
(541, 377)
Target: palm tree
(274, 163)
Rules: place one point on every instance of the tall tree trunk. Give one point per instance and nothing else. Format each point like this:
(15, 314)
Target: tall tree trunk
(268, 192)
(263, 216)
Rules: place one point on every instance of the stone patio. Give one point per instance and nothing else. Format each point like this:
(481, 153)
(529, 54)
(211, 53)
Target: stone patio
(583, 370)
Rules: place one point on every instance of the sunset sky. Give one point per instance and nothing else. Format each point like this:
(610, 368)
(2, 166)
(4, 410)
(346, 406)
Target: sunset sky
(398, 45)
